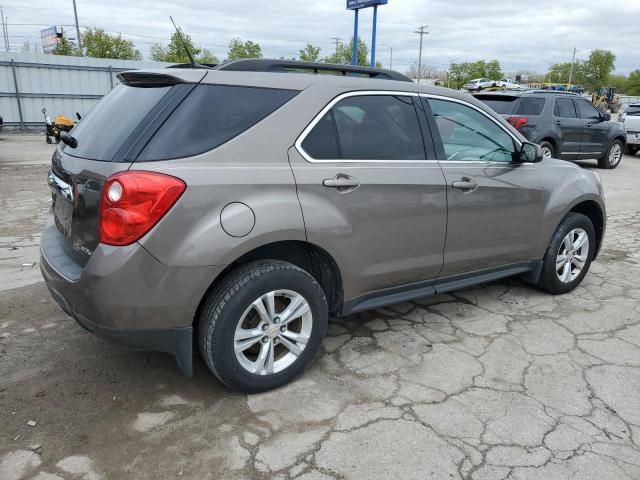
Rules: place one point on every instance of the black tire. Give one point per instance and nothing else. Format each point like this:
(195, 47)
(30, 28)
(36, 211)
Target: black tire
(544, 144)
(549, 280)
(631, 150)
(225, 305)
(48, 140)
(603, 162)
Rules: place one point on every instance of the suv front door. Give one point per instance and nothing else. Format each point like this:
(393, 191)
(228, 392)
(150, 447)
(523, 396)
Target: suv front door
(368, 192)
(495, 203)
(595, 130)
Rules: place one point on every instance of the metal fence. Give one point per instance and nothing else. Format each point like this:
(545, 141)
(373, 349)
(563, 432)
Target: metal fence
(63, 85)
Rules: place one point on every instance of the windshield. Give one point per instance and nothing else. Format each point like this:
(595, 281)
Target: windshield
(103, 131)
(633, 110)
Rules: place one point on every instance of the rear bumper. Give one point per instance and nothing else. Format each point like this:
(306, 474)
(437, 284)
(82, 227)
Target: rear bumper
(633, 138)
(125, 295)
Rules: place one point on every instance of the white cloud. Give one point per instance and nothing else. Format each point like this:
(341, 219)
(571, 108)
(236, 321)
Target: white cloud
(520, 34)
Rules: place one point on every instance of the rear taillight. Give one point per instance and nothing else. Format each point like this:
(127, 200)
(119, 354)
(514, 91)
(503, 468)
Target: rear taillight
(132, 203)
(518, 122)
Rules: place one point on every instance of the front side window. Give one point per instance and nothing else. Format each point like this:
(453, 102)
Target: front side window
(368, 127)
(564, 108)
(468, 135)
(587, 111)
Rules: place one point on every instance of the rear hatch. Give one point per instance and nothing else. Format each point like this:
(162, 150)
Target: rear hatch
(108, 139)
(521, 111)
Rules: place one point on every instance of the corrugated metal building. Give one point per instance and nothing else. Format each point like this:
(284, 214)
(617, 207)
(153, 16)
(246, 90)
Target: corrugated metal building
(62, 85)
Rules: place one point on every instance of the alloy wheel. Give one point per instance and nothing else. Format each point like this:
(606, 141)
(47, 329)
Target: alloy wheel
(615, 154)
(572, 255)
(273, 332)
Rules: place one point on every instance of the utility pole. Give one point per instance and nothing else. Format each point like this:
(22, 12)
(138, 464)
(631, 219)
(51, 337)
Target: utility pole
(75, 14)
(573, 60)
(337, 40)
(391, 55)
(5, 33)
(421, 31)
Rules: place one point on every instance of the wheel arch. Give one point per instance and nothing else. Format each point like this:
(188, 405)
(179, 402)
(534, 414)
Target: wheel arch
(593, 211)
(310, 257)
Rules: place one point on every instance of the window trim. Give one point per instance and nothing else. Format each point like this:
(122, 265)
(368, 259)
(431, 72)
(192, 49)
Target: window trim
(358, 93)
(517, 141)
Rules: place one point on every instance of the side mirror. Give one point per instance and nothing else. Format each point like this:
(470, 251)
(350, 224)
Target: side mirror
(531, 153)
(606, 116)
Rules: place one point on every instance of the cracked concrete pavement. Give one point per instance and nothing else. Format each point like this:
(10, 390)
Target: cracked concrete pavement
(494, 382)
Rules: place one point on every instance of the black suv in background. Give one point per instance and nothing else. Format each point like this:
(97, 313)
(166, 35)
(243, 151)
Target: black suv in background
(567, 126)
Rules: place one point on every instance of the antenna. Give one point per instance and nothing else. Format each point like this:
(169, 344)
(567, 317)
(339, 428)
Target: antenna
(184, 45)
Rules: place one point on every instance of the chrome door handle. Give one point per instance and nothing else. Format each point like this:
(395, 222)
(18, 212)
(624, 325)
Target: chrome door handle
(342, 183)
(465, 184)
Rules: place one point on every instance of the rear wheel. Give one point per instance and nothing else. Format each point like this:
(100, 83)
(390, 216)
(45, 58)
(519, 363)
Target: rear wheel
(568, 255)
(547, 149)
(612, 157)
(262, 325)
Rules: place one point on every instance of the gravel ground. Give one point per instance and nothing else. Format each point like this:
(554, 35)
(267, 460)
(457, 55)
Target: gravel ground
(499, 381)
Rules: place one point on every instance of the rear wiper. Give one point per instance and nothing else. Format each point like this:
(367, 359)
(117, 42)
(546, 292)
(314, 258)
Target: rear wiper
(68, 139)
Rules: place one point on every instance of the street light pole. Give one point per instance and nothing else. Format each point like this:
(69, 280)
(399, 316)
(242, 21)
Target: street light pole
(75, 14)
(391, 55)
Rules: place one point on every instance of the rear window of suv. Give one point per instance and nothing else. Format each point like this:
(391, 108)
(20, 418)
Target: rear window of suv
(507, 105)
(103, 130)
(210, 116)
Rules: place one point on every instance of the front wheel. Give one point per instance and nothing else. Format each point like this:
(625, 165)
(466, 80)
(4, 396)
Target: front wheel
(612, 157)
(547, 149)
(262, 325)
(568, 255)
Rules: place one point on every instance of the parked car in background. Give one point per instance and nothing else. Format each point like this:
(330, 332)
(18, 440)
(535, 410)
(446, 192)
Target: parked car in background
(631, 120)
(480, 84)
(236, 207)
(510, 84)
(567, 126)
(579, 89)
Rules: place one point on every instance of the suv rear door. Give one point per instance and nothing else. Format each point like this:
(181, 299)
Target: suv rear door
(371, 191)
(569, 128)
(495, 204)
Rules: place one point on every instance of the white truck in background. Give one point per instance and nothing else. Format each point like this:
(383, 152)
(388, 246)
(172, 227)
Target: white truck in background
(631, 119)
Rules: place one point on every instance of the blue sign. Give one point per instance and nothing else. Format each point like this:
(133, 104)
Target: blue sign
(357, 4)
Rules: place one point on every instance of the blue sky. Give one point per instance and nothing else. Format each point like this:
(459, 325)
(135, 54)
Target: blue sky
(522, 35)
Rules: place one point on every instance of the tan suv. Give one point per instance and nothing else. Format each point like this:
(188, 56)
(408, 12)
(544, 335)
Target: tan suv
(243, 205)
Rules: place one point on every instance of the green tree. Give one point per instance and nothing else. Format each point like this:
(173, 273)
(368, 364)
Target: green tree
(99, 44)
(633, 83)
(65, 47)
(175, 52)
(310, 53)
(344, 54)
(598, 68)
(560, 72)
(620, 83)
(461, 73)
(239, 49)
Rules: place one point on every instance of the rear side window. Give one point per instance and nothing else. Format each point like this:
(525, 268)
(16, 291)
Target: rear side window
(529, 106)
(564, 108)
(102, 132)
(368, 127)
(210, 116)
(633, 111)
(321, 143)
(500, 104)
